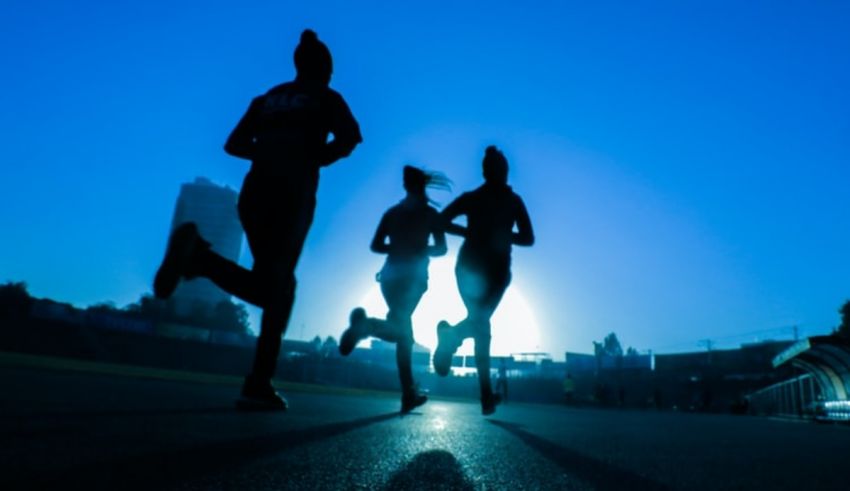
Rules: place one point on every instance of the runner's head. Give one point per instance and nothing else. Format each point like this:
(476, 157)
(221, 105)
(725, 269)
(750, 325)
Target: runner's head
(416, 180)
(313, 60)
(495, 166)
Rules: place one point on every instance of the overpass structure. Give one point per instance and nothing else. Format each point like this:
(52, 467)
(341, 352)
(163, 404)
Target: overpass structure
(821, 388)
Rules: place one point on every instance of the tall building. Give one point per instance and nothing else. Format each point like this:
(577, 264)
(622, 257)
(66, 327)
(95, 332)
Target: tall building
(213, 209)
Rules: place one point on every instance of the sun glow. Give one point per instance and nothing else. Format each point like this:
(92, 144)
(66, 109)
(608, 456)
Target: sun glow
(514, 328)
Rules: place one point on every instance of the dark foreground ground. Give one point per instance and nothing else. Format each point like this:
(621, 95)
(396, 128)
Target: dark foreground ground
(103, 429)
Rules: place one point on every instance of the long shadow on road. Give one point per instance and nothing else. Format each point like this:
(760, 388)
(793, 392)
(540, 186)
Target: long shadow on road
(160, 469)
(602, 476)
(433, 469)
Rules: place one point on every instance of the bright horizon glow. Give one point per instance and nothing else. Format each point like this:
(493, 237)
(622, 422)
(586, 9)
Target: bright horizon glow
(514, 328)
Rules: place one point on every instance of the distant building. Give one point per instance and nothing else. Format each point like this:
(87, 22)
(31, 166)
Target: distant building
(581, 363)
(213, 209)
(383, 353)
(518, 365)
(750, 361)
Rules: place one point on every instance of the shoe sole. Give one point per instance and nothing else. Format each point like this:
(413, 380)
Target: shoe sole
(346, 343)
(442, 357)
(349, 339)
(180, 246)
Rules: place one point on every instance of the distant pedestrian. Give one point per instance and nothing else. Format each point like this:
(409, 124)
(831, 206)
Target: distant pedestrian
(284, 134)
(483, 267)
(403, 235)
(569, 386)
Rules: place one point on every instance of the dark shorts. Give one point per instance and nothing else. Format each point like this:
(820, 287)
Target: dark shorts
(276, 218)
(481, 287)
(403, 294)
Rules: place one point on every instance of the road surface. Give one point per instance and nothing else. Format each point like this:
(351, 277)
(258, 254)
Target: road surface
(101, 429)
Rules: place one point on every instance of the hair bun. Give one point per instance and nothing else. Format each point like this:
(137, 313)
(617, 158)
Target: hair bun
(491, 151)
(309, 36)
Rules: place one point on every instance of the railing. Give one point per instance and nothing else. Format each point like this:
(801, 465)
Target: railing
(798, 397)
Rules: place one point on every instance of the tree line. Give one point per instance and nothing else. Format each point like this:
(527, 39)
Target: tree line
(16, 302)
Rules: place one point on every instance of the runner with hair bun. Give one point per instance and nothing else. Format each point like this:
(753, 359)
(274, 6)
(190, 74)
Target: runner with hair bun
(483, 269)
(284, 133)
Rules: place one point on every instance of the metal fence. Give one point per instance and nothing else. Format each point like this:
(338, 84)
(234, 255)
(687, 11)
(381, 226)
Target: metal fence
(799, 397)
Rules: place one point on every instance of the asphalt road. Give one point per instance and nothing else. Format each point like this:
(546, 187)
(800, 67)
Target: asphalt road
(65, 429)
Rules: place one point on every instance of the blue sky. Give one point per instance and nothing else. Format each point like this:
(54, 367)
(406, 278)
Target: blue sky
(684, 163)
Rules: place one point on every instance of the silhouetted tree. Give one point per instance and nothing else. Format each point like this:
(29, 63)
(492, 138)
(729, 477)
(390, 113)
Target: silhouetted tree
(152, 308)
(230, 316)
(844, 329)
(15, 300)
(105, 307)
(330, 347)
(200, 315)
(631, 352)
(316, 345)
(610, 346)
(225, 316)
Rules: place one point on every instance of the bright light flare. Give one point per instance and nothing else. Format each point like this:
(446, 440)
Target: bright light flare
(514, 328)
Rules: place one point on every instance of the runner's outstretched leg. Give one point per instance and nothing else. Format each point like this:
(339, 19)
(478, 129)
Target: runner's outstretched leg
(257, 391)
(179, 262)
(230, 277)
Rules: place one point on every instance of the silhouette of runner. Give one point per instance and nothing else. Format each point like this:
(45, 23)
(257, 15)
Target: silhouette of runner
(404, 277)
(285, 135)
(483, 269)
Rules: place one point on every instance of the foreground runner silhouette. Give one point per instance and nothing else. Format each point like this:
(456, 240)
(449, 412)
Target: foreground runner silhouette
(483, 267)
(404, 277)
(285, 135)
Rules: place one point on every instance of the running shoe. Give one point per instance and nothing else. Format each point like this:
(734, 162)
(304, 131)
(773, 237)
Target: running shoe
(355, 333)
